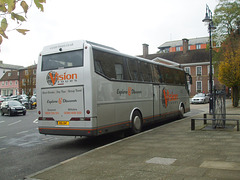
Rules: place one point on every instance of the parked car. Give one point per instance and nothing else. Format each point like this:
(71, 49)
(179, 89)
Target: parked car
(1, 100)
(12, 107)
(200, 98)
(29, 104)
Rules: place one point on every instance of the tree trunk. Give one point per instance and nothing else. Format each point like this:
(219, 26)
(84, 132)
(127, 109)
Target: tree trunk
(235, 94)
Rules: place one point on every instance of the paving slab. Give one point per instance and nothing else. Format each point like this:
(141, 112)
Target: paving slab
(171, 151)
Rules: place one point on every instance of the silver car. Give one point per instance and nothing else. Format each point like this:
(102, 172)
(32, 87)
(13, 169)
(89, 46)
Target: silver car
(200, 98)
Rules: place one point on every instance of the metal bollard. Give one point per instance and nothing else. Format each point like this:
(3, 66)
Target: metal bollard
(204, 119)
(237, 125)
(192, 124)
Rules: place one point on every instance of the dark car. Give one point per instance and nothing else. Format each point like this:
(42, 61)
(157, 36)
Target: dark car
(12, 108)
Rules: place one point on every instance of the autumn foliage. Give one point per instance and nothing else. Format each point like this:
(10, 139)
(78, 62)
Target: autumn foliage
(229, 65)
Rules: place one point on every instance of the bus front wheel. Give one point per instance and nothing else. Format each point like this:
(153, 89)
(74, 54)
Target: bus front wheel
(181, 112)
(136, 122)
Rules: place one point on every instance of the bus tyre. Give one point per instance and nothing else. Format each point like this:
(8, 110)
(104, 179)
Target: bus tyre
(181, 112)
(136, 122)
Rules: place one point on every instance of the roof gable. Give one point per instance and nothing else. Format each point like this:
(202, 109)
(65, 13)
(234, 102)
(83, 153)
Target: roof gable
(10, 75)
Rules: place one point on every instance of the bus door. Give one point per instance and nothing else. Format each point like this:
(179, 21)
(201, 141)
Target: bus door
(156, 102)
(168, 101)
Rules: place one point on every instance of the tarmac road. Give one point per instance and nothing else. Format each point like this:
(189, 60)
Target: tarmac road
(24, 151)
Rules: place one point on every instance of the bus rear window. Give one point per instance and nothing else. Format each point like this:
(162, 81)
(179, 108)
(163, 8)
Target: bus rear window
(62, 60)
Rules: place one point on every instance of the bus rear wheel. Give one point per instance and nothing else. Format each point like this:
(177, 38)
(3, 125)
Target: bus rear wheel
(136, 122)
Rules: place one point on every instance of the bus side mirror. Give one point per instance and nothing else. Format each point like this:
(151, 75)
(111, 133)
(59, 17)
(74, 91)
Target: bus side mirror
(190, 79)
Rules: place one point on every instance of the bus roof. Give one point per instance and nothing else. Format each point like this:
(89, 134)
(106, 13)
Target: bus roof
(72, 45)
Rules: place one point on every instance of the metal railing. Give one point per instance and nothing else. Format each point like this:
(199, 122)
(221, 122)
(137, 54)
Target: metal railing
(218, 111)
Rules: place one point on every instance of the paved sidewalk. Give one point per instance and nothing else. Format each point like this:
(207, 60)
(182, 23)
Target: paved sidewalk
(171, 151)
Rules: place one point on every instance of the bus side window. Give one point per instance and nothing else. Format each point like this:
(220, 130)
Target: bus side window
(120, 67)
(161, 72)
(145, 72)
(104, 64)
(119, 71)
(133, 70)
(98, 67)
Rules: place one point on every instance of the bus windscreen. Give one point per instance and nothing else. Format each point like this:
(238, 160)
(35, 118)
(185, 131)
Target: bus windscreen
(62, 60)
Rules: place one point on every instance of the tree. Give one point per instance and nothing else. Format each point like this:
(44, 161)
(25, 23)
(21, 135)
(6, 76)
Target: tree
(227, 16)
(229, 67)
(13, 11)
(227, 58)
(28, 83)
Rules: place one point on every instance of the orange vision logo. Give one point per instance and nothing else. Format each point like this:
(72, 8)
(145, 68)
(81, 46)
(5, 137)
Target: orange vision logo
(53, 77)
(167, 97)
(129, 91)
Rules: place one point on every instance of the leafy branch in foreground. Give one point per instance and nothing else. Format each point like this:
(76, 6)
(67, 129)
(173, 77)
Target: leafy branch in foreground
(11, 11)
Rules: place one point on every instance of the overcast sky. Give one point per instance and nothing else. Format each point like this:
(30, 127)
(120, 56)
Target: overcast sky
(122, 24)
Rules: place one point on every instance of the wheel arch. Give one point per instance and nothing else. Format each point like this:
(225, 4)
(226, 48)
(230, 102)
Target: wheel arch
(181, 104)
(133, 110)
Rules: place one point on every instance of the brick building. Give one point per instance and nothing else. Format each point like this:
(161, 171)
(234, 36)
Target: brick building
(189, 54)
(27, 80)
(9, 83)
(22, 81)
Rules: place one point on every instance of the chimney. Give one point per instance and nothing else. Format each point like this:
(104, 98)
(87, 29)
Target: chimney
(145, 50)
(185, 45)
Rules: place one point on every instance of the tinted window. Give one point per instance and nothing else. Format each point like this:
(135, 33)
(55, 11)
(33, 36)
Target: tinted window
(133, 69)
(168, 75)
(110, 65)
(145, 71)
(62, 60)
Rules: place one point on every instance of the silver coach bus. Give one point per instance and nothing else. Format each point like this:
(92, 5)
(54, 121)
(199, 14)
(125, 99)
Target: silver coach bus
(88, 89)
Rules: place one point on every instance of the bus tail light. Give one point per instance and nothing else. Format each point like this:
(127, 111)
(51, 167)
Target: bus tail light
(75, 119)
(49, 119)
(39, 112)
(87, 119)
(46, 118)
(88, 111)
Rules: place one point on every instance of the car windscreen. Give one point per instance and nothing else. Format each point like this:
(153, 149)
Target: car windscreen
(199, 95)
(14, 103)
(62, 60)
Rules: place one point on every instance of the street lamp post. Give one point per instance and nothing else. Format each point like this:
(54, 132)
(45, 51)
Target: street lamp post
(209, 21)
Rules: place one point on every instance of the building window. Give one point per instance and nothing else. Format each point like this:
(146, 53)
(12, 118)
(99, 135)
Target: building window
(10, 82)
(26, 72)
(34, 71)
(2, 83)
(16, 82)
(189, 47)
(24, 82)
(209, 85)
(209, 69)
(178, 48)
(199, 86)
(187, 70)
(9, 74)
(6, 83)
(198, 46)
(199, 70)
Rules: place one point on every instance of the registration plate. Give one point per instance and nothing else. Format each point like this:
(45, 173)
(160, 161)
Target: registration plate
(63, 123)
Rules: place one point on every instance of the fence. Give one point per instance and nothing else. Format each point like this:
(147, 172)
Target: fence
(218, 113)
